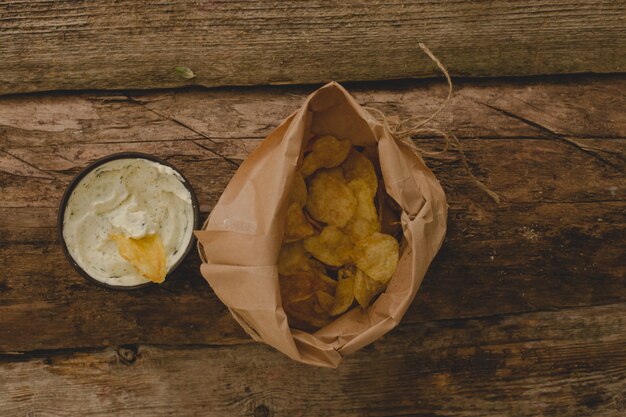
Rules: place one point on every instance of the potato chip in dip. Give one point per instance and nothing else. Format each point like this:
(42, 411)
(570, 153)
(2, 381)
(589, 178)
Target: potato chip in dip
(126, 218)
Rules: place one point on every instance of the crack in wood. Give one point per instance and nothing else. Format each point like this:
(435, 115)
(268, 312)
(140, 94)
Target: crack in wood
(186, 126)
(46, 175)
(551, 133)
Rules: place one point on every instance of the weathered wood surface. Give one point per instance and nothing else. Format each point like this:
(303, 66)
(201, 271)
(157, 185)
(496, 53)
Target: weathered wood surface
(570, 362)
(113, 44)
(554, 150)
(521, 313)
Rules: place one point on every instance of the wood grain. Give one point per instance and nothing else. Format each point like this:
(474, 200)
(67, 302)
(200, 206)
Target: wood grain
(560, 363)
(113, 44)
(553, 148)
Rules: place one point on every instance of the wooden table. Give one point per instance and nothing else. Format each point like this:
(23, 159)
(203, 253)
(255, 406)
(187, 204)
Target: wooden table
(523, 311)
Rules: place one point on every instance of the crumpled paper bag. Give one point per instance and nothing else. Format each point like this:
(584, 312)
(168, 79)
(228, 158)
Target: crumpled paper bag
(240, 241)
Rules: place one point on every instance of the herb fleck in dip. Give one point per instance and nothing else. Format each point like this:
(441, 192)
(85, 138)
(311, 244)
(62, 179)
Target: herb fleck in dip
(134, 197)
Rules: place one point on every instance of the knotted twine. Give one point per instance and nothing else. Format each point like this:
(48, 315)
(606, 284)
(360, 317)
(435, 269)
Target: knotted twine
(404, 130)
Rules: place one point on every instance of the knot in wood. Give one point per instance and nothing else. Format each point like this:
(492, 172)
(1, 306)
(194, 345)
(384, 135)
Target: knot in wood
(261, 411)
(127, 354)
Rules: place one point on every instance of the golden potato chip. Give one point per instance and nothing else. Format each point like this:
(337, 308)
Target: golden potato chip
(332, 246)
(316, 225)
(297, 287)
(377, 256)
(324, 302)
(335, 173)
(344, 294)
(292, 258)
(297, 226)
(318, 267)
(365, 288)
(325, 283)
(365, 220)
(357, 166)
(306, 314)
(326, 152)
(303, 284)
(145, 254)
(298, 191)
(330, 200)
(307, 297)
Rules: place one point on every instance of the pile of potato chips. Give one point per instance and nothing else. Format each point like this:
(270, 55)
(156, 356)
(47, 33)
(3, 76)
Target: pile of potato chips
(335, 250)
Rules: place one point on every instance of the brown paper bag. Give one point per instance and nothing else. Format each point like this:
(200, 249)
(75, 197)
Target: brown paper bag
(242, 237)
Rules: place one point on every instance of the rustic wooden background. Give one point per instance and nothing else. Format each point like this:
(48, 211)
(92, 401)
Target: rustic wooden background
(523, 312)
(86, 44)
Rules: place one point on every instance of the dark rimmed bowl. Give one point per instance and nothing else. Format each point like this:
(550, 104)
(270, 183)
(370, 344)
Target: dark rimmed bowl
(91, 167)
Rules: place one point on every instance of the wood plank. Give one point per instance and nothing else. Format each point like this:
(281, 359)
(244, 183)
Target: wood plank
(573, 106)
(564, 363)
(112, 44)
(554, 243)
(569, 110)
(522, 171)
(482, 269)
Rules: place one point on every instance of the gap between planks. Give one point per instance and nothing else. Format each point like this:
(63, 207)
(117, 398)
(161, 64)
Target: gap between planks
(21, 356)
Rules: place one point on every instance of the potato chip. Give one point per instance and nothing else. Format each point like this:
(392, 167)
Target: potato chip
(316, 224)
(365, 220)
(377, 256)
(357, 166)
(298, 191)
(297, 226)
(318, 267)
(307, 296)
(326, 152)
(344, 294)
(145, 254)
(325, 302)
(365, 288)
(324, 282)
(305, 283)
(292, 258)
(298, 286)
(330, 200)
(332, 246)
(306, 314)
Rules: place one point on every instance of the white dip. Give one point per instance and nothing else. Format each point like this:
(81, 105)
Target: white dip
(134, 197)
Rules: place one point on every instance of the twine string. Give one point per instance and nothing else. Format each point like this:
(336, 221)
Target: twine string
(403, 130)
